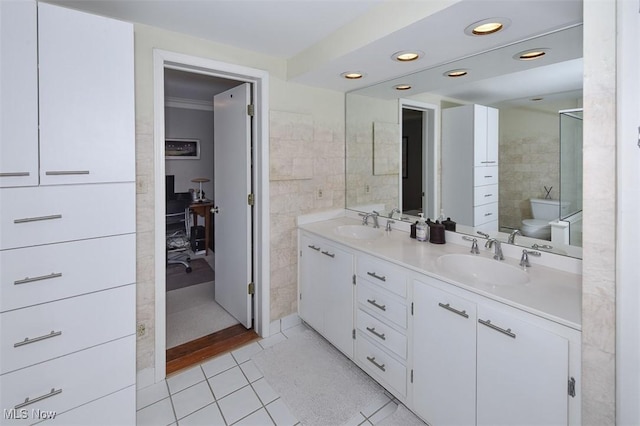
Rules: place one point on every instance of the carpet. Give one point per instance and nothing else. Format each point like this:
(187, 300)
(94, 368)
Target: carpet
(318, 383)
(178, 278)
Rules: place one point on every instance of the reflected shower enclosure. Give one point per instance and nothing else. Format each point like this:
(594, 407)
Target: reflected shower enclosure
(571, 171)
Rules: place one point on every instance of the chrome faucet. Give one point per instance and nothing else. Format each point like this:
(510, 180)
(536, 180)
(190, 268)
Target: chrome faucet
(474, 244)
(395, 210)
(512, 236)
(374, 214)
(388, 227)
(524, 260)
(498, 248)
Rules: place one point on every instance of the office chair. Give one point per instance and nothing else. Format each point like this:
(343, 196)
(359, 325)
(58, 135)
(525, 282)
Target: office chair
(177, 232)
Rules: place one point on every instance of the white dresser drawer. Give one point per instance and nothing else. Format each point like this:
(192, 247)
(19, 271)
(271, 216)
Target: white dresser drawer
(41, 274)
(69, 325)
(485, 175)
(485, 214)
(383, 274)
(382, 334)
(382, 366)
(49, 214)
(485, 195)
(381, 303)
(70, 381)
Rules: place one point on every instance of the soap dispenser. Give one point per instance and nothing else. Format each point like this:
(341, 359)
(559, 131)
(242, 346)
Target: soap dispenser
(422, 233)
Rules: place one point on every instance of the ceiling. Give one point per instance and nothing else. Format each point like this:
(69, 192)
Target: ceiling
(320, 39)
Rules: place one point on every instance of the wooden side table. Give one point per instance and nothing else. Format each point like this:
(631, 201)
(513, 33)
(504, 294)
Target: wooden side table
(202, 209)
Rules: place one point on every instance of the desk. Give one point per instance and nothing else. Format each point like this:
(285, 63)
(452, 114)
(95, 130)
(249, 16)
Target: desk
(202, 209)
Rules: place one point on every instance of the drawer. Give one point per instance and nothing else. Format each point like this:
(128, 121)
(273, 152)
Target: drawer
(484, 214)
(380, 365)
(34, 275)
(485, 175)
(383, 274)
(381, 304)
(50, 214)
(485, 195)
(70, 381)
(382, 334)
(69, 325)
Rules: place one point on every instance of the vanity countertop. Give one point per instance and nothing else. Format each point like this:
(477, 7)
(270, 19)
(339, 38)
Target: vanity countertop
(551, 293)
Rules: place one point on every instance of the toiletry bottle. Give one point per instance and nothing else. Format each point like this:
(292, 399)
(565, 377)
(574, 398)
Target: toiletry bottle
(449, 224)
(421, 229)
(436, 232)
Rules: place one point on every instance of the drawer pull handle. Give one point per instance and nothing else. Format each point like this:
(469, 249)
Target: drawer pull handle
(488, 214)
(508, 331)
(374, 275)
(312, 247)
(490, 176)
(28, 401)
(27, 341)
(373, 331)
(381, 307)
(488, 195)
(14, 174)
(329, 254)
(454, 310)
(372, 360)
(40, 278)
(487, 162)
(66, 172)
(39, 218)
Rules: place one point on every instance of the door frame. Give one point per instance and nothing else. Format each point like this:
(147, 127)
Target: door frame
(260, 181)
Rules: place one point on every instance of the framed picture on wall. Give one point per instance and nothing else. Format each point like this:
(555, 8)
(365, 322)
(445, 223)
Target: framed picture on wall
(182, 149)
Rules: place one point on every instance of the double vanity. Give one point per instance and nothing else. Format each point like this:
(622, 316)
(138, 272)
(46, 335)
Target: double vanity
(459, 338)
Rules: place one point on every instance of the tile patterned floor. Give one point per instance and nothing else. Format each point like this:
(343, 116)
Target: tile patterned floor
(230, 390)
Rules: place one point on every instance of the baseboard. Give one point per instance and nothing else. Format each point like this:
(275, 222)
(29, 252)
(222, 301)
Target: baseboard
(145, 378)
(283, 323)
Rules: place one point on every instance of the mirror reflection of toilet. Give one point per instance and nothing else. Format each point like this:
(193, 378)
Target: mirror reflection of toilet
(544, 211)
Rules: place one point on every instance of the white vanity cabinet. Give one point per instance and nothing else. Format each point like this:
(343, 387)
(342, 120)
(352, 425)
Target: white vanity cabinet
(470, 165)
(326, 290)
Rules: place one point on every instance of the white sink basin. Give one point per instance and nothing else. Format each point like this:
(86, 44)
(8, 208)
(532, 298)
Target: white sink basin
(359, 232)
(481, 269)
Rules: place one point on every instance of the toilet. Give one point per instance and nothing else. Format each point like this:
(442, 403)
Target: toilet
(544, 211)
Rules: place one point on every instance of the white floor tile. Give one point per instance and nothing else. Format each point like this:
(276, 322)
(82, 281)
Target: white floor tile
(384, 412)
(294, 330)
(258, 418)
(158, 414)
(281, 414)
(239, 404)
(376, 404)
(191, 399)
(207, 416)
(218, 365)
(151, 394)
(185, 379)
(356, 420)
(246, 352)
(227, 382)
(251, 372)
(272, 340)
(265, 391)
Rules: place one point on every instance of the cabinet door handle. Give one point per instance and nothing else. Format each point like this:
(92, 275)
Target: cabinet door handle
(454, 310)
(329, 254)
(14, 174)
(373, 331)
(487, 162)
(27, 341)
(66, 172)
(374, 275)
(381, 307)
(312, 247)
(28, 401)
(38, 218)
(372, 360)
(508, 331)
(40, 278)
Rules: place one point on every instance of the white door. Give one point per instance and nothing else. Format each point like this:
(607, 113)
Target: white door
(232, 184)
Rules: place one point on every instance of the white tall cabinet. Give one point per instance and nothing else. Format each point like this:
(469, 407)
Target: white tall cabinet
(67, 217)
(470, 165)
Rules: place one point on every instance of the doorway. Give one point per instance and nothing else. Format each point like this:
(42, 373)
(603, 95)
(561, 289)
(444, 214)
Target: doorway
(168, 65)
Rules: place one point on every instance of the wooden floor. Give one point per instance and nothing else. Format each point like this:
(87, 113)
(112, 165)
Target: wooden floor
(196, 351)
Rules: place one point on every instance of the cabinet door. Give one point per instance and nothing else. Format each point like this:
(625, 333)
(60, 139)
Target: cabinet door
(485, 136)
(522, 372)
(492, 136)
(18, 94)
(86, 98)
(444, 354)
(311, 298)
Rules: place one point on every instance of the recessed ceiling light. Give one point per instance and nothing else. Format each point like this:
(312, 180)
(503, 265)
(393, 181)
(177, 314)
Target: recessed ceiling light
(407, 55)
(456, 73)
(531, 54)
(487, 26)
(352, 75)
(402, 87)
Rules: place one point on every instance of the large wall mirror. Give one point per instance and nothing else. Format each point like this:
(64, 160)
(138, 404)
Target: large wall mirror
(399, 154)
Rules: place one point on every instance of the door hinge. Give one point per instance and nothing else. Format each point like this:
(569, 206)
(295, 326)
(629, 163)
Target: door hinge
(353, 334)
(354, 279)
(251, 288)
(251, 199)
(572, 387)
(411, 308)
(300, 296)
(412, 376)
(251, 110)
